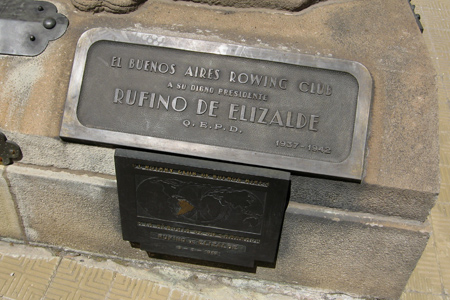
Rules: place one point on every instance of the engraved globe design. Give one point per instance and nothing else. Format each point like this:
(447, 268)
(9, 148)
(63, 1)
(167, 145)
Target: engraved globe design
(199, 203)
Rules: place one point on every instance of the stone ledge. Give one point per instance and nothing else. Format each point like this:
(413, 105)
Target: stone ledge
(364, 197)
(323, 248)
(53, 152)
(365, 259)
(355, 217)
(9, 221)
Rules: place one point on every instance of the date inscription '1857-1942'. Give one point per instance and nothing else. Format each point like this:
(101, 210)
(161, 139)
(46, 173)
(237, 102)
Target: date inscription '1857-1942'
(237, 103)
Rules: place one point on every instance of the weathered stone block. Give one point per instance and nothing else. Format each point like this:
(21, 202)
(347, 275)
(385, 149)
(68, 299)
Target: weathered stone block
(366, 255)
(363, 197)
(410, 204)
(50, 152)
(70, 210)
(356, 253)
(401, 167)
(323, 248)
(9, 220)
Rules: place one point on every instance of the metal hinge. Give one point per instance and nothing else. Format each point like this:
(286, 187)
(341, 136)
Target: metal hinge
(27, 26)
(9, 151)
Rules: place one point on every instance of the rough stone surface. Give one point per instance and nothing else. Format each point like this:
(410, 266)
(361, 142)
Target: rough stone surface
(404, 110)
(290, 5)
(74, 208)
(344, 252)
(76, 211)
(9, 221)
(321, 248)
(114, 6)
(363, 197)
(324, 192)
(53, 152)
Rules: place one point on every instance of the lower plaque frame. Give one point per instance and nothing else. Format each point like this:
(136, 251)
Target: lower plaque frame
(199, 209)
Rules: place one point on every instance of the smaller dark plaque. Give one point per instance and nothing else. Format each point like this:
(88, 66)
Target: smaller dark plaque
(200, 209)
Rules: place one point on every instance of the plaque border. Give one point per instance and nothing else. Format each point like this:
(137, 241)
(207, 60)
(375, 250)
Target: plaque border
(350, 168)
(277, 198)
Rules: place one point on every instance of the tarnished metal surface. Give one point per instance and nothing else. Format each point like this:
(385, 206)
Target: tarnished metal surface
(27, 26)
(228, 102)
(9, 151)
(200, 209)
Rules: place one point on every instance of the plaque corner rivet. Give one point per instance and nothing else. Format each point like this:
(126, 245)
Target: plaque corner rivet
(40, 8)
(49, 23)
(32, 38)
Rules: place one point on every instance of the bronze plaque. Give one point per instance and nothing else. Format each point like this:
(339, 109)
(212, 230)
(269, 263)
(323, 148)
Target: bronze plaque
(235, 103)
(200, 209)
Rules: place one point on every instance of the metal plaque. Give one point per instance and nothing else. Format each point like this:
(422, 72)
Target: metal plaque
(201, 209)
(27, 26)
(228, 102)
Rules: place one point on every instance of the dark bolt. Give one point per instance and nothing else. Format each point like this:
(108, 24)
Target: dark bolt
(40, 8)
(49, 23)
(32, 38)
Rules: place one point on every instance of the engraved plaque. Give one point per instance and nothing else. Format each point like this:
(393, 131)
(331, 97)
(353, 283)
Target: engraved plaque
(235, 103)
(201, 209)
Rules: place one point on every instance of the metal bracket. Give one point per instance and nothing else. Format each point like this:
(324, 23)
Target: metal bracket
(417, 16)
(27, 26)
(9, 151)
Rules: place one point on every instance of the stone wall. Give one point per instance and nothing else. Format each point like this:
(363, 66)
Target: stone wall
(357, 238)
